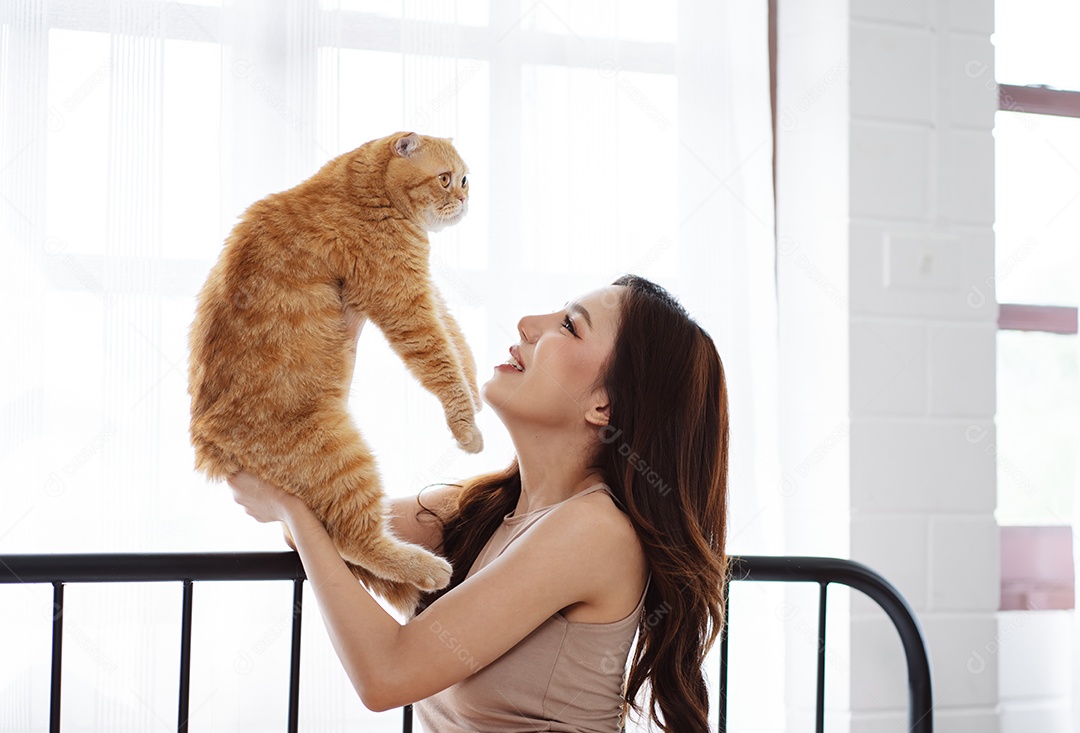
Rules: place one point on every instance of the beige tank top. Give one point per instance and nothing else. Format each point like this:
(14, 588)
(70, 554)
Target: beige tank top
(564, 676)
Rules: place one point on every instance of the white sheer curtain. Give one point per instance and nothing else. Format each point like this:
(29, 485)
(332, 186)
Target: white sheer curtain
(603, 138)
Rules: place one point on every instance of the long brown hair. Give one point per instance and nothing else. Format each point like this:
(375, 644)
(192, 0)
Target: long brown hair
(664, 455)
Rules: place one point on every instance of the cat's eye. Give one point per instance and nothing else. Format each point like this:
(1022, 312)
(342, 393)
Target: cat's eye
(444, 179)
(464, 181)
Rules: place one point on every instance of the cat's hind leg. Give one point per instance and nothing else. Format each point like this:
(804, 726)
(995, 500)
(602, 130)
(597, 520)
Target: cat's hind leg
(403, 596)
(344, 490)
(399, 562)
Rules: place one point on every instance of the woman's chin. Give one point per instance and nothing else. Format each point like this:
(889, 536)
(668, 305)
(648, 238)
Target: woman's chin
(492, 395)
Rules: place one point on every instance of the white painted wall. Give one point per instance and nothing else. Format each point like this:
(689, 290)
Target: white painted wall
(885, 226)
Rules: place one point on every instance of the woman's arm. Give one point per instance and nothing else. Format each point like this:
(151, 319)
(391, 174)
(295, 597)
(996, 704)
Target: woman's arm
(568, 557)
(362, 633)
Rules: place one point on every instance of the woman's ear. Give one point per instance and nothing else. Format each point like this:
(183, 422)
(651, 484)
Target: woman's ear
(600, 412)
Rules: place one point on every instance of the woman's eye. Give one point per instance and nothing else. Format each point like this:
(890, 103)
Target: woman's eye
(464, 181)
(568, 325)
(444, 179)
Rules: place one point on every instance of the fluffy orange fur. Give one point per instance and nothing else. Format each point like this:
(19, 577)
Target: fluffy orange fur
(272, 355)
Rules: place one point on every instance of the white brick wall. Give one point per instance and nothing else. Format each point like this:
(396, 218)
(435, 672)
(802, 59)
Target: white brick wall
(887, 335)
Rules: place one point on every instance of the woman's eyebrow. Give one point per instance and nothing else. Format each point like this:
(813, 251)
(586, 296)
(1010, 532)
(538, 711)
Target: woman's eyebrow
(577, 308)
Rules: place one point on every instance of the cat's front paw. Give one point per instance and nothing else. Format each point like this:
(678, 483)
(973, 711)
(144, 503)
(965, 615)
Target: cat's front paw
(437, 574)
(468, 437)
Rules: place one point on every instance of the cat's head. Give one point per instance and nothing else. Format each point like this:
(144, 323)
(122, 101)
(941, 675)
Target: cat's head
(428, 180)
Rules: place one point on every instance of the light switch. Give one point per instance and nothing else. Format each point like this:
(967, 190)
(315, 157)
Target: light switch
(923, 261)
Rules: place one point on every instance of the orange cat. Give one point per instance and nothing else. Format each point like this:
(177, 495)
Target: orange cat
(271, 353)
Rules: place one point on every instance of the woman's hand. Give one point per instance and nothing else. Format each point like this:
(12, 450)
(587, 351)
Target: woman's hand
(262, 500)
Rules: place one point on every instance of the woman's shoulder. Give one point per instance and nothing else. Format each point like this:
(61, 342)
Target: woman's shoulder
(599, 508)
(596, 519)
(605, 539)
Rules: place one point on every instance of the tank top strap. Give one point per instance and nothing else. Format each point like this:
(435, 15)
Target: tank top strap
(596, 487)
(645, 592)
(530, 517)
(515, 525)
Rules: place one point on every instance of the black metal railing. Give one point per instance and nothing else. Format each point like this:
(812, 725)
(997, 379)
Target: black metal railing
(823, 571)
(186, 568)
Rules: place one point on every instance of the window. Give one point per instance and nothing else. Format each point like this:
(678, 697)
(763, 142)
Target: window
(602, 138)
(1037, 283)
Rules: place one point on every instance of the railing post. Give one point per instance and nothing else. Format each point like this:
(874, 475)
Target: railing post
(57, 656)
(294, 677)
(185, 658)
(721, 726)
(820, 722)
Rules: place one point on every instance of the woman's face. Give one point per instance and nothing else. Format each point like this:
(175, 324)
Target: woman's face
(551, 377)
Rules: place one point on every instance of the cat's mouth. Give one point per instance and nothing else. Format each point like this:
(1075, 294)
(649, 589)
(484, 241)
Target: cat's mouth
(453, 214)
(445, 216)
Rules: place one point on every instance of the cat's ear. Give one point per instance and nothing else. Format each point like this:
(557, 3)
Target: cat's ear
(407, 144)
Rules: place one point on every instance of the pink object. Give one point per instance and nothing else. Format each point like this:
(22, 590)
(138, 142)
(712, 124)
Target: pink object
(1036, 568)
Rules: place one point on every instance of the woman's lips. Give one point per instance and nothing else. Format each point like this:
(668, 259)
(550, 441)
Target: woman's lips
(516, 353)
(514, 362)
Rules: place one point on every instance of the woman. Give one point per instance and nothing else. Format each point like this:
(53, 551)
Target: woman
(609, 521)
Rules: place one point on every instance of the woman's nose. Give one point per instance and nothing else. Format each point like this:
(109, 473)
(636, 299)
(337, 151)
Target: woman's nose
(529, 328)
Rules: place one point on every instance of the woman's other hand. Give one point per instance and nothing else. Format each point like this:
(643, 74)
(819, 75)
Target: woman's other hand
(260, 499)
